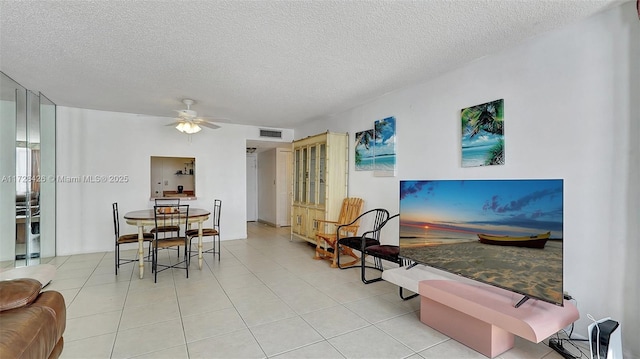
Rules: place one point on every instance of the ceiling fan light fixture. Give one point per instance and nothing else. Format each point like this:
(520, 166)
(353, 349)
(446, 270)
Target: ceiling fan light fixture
(188, 128)
(187, 121)
(194, 128)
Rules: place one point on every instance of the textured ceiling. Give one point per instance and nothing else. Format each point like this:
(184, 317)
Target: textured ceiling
(268, 63)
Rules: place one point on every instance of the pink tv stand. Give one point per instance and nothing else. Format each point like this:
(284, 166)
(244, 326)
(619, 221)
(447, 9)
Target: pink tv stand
(483, 317)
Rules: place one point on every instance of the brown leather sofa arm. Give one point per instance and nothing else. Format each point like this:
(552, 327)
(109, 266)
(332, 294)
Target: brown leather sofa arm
(31, 322)
(18, 293)
(54, 303)
(29, 332)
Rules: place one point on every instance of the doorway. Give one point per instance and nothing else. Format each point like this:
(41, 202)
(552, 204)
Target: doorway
(269, 182)
(252, 187)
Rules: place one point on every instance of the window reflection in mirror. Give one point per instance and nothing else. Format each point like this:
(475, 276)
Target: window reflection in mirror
(173, 177)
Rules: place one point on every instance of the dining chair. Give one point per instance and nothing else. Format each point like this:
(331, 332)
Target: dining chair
(376, 218)
(209, 232)
(174, 229)
(125, 238)
(170, 216)
(326, 234)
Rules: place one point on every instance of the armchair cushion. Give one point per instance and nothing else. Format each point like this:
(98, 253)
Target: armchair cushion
(18, 293)
(386, 252)
(357, 242)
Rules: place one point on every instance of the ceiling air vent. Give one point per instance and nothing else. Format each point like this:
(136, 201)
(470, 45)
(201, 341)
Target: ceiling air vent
(270, 133)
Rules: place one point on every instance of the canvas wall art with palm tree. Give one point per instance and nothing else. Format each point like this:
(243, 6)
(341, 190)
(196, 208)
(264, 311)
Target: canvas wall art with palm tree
(384, 163)
(364, 150)
(483, 134)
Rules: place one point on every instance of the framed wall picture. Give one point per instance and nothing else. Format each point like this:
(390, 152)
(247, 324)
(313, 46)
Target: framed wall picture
(364, 150)
(483, 134)
(384, 149)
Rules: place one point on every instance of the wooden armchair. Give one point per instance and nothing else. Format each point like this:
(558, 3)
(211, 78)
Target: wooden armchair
(327, 232)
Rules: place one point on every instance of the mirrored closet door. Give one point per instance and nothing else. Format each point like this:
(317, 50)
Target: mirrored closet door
(27, 175)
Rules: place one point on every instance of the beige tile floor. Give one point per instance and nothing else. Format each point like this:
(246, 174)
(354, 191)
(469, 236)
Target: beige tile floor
(266, 298)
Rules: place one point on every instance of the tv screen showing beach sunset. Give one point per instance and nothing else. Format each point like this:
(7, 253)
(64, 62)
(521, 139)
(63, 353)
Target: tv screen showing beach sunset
(507, 233)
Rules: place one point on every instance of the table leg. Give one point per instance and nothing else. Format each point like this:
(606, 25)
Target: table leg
(141, 251)
(200, 244)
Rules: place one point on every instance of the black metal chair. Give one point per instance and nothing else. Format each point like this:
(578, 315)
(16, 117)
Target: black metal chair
(390, 253)
(125, 238)
(170, 216)
(173, 229)
(209, 232)
(377, 218)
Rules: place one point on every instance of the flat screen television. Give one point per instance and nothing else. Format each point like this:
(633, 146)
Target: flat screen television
(506, 233)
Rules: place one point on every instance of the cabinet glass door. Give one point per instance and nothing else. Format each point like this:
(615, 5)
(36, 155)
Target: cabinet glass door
(322, 185)
(312, 175)
(297, 177)
(305, 174)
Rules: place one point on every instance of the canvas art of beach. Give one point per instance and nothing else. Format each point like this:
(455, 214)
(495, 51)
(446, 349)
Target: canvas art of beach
(385, 145)
(364, 151)
(483, 134)
(375, 149)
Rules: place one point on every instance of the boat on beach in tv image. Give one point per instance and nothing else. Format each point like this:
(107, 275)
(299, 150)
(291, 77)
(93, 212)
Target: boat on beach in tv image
(535, 241)
(507, 233)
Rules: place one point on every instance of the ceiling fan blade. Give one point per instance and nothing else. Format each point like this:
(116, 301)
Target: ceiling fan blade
(189, 117)
(208, 124)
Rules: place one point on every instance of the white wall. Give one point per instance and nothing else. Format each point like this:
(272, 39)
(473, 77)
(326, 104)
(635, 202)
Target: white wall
(572, 112)
(103, 143)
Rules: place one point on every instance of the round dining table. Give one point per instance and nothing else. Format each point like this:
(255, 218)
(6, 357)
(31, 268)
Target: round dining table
(146, 217)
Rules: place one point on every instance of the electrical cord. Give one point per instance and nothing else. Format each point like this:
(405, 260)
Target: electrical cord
(573, 324)
(557, 346)
(557, 343)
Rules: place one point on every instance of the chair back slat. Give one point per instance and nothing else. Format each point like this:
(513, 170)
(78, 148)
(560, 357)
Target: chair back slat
(116, 220)
(167, 201)
(217, 207)
(351, 209)
(170, 215)
(379, 221)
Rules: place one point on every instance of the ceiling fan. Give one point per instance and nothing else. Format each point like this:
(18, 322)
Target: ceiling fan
(188, 121)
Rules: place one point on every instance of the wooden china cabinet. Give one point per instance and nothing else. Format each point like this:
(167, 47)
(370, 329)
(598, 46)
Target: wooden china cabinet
(320, 173)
